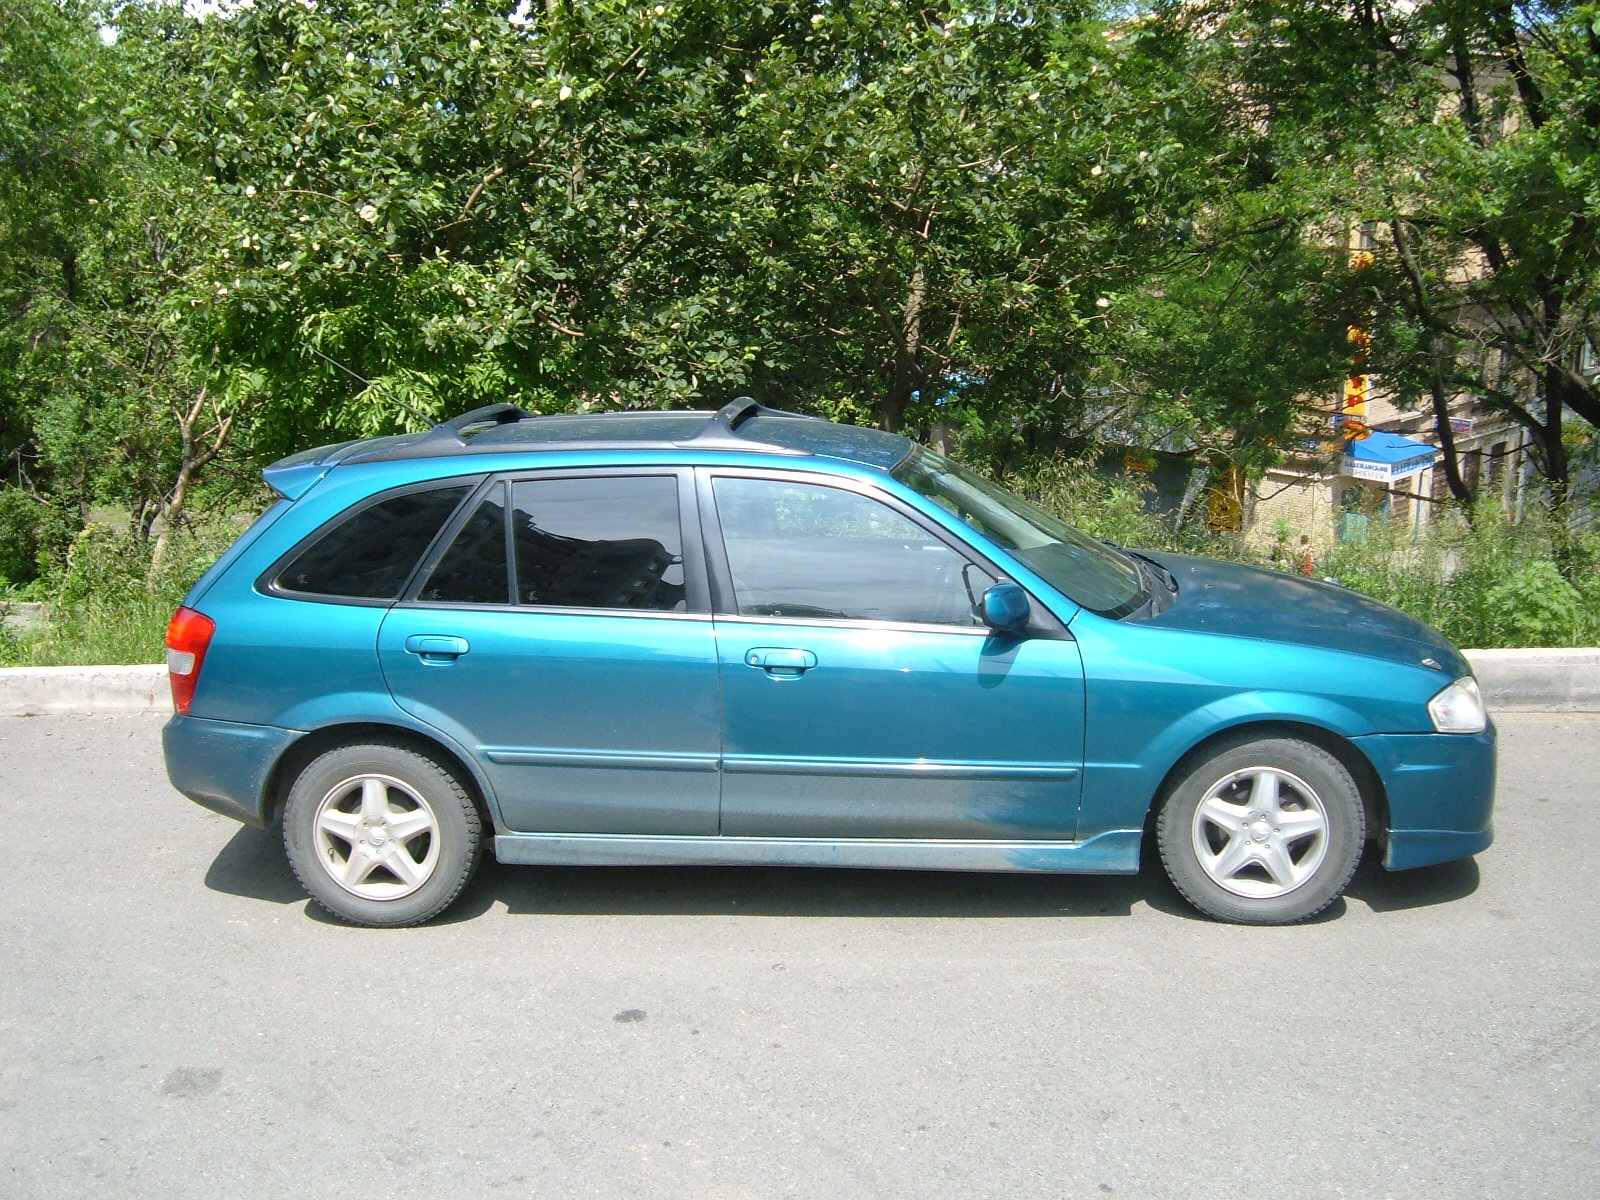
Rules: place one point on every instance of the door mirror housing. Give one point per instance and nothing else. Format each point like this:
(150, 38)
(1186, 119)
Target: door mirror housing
(1004, 608)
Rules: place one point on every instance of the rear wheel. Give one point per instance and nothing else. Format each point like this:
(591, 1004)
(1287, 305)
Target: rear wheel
(1263, 833)
(381, 834)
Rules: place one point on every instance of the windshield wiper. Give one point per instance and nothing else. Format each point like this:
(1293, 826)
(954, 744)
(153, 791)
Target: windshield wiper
(1167, 577)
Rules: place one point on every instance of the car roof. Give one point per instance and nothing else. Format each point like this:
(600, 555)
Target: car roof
(741, 425)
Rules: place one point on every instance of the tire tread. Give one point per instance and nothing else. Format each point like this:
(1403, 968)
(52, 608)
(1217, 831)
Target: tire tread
(1172, 838)
(449, 798)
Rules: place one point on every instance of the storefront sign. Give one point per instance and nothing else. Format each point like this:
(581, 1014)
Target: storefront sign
(1382, 472)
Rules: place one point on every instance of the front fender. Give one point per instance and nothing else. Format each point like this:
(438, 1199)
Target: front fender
(1127, 765)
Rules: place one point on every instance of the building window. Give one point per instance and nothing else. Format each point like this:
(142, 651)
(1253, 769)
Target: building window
(1497, 464)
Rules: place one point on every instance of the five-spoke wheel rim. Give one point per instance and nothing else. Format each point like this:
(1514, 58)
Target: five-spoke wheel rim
(1260, 832)
(377, 837)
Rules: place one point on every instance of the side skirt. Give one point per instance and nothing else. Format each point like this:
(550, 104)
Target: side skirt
(1112, 853)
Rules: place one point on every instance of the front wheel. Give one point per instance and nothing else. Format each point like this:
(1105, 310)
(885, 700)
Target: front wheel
(380, 834)
(1263, 833)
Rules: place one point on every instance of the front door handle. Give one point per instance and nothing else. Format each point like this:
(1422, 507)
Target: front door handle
(437, 647)
(781, 662)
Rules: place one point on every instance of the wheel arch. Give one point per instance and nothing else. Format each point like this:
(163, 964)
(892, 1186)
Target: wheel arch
(1374, 797)
(327, 737)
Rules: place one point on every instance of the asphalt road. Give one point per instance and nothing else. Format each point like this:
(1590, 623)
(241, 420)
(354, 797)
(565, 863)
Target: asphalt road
(176, 1020)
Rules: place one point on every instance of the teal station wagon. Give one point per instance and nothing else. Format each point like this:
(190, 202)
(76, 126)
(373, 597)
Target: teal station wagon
(750, 637)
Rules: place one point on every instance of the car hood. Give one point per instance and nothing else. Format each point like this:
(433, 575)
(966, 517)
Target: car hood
(1250, 602)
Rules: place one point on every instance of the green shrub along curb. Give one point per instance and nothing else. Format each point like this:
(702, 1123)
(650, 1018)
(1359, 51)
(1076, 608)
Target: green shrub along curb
(1512, 681)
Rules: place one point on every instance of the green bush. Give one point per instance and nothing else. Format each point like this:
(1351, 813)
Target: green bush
(104, 565)
(1114, 508)
(31, 533)
(1535, 606)
(107, 606)
(1487, 584)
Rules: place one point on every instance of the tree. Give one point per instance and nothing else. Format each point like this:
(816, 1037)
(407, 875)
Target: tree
(859, 207)
(425, 215)
(53, 169)
(954, 195)
(1467, 136)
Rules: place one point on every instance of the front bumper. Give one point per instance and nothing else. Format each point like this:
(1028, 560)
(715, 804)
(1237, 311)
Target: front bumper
(1440, 788)
(223, 765)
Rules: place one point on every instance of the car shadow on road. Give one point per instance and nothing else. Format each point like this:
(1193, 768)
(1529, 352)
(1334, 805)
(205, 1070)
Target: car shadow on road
(252, 865)
(1388, 891)
(807, 892)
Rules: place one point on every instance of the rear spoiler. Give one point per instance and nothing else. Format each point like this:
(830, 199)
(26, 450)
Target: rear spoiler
(292, 477)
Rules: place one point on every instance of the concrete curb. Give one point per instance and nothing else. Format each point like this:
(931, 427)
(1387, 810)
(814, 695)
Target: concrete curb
(36, 691)
(1538, 680)
(1512, 681)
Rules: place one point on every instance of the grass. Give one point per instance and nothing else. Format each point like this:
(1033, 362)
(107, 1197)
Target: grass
(123, 630)
(104, 605)
(1485, 583)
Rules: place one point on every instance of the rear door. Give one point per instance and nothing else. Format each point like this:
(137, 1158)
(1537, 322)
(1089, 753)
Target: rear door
(562, 631)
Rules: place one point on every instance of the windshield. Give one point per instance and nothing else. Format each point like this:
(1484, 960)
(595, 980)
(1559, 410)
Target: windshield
(1088, 571)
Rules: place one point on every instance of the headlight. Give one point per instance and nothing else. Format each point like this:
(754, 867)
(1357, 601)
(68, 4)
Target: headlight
(1459, 708)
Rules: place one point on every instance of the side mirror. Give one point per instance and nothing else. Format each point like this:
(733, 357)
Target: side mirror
(1004, 608)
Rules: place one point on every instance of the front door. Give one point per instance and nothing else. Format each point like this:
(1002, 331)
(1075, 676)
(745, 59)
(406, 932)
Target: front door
(862, 697)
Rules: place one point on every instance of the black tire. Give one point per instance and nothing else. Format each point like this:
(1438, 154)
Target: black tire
(381, 834)
(1278, 840)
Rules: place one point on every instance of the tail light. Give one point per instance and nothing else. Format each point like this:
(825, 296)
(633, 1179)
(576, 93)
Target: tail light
(188, 635)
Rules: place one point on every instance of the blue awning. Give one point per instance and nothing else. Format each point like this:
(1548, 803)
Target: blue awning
(1386, 457)
(1390, 448)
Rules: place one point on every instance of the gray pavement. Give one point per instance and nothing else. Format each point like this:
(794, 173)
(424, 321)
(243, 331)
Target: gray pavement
(176, 1020)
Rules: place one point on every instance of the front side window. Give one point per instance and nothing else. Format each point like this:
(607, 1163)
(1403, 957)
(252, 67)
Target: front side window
(803, 550)
(368, 555)
(600, 542)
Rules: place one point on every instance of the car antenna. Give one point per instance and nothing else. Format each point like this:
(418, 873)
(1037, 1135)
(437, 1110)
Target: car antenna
(431, 423)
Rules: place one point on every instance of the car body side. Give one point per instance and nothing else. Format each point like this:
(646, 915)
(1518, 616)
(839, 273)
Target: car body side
(1154, 697)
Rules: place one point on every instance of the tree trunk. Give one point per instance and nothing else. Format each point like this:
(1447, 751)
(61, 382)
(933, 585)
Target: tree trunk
(1447, 442)
(906, 376)
(171, 514)
(192, 458)
(1557, 470)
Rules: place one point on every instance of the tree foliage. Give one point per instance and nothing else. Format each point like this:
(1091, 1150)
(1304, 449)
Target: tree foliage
(1465, 135)
(861, 205)
(232, 231)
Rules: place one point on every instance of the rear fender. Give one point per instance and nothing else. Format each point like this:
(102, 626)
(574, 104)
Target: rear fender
(327, 714)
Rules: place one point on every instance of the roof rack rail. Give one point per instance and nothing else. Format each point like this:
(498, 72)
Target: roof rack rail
(720, 431)
(490, 414)
(445, 436)
(448, 433)
(722, 427)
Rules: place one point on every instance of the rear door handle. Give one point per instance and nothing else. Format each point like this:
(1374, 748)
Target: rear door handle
(783, 662)
(437, 647)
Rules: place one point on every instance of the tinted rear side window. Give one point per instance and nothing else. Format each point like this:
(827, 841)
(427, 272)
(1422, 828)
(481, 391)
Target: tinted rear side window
(473, 570)
(596, 542)
(368, 555)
